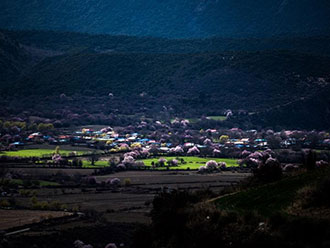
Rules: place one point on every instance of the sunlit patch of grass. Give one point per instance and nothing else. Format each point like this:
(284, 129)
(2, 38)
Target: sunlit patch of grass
(190, 162)
(37, 153)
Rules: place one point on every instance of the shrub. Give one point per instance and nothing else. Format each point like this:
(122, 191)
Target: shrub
(78, 244)
(269, 171)
(25, 193)
(144, 152)
(245, 154)
(310, 160)
(87, 246)
(290, 167)
(216, 152)
(56, 158)
(128, 160)
(139, 164)
(177, 150)
(76, 162)
(224, 139)
(113, 181)
(211, 165)
(207, 142)
(252, 162)
(162, 161)
(4, 203)
(127, 182)
(173, 162)
(222, 165)
(256, 155)
(121, 167)
(321, 164)
(55, 205)
(90, 180)
(202, 169)
(193, 151)
(111, 245)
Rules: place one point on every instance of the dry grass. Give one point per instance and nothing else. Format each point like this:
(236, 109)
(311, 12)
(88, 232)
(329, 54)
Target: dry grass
(16, 218)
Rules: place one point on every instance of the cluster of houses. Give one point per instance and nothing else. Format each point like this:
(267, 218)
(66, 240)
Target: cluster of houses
(164, 137)
(108, 138)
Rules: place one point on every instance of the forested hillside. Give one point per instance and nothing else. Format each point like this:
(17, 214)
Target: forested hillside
(265, 85)
(13, 59)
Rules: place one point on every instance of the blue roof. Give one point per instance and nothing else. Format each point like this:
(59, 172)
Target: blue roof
(18, 143)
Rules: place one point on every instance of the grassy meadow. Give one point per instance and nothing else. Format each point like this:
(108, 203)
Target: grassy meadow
(217, 118)
(260, 200)
(42, 183)
(97, 164)
(191, 162)
(37, 153)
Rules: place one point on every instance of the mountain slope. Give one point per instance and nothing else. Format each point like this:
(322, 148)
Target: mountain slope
(13, 59)
(253, 81)
(16, 59)
(170, 18)
(69, 41)
(273, 88)
(312, 112)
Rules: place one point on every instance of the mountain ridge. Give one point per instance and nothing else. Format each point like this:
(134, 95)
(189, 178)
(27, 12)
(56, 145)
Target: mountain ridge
(71, 41)
(170, 18)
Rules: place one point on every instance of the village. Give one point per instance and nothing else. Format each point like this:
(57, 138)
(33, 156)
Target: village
(164, 137)
(95, 173)
(149, 142)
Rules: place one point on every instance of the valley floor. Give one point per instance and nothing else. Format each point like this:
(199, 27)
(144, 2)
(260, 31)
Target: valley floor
(126, 204)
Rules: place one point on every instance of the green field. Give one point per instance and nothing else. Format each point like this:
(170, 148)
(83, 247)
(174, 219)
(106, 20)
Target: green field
(41, 182)
(98, 164)
(191, 162)
(217, 118)
(36, 153)
(87, 164)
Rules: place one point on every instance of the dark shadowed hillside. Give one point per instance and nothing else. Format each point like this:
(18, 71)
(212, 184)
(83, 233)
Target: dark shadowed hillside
(254, 81)
(69, 41)
(170, 18)
(308, 112)
(17, 58)
(13, 59)
(146, 74)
